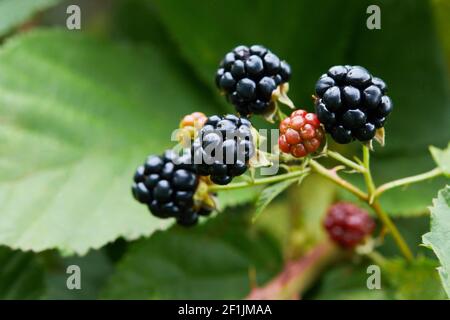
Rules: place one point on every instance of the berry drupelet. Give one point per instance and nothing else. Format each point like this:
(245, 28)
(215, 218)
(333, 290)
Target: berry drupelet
(249, 75)
(347, 224)
(351, 103)
(300, 134)
(167, 184)
(223, 148)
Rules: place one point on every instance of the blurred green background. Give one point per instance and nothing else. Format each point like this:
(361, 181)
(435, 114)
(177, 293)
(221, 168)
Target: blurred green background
(79, 110)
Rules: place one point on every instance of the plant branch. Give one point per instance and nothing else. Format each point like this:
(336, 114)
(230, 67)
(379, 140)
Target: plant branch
(261, 181)
(333, 176)
(382, 215)
(398, 238)
(367, 175)
(408, 180)
(297, 275)
(351, 164)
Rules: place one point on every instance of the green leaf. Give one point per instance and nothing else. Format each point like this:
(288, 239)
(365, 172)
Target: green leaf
(437, 238)
(75, 124)
(21, 275)
(442, 158)
(210, 261)
(95, 268)
(413, 281)
(15, 12)
(269, 193)
(346, 282)
(232, 198)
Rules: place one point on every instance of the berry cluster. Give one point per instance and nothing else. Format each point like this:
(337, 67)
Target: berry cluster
(167, 184)
(249, 75)
(348, 225)
(223, 147)
(351, 103)
(300, 134)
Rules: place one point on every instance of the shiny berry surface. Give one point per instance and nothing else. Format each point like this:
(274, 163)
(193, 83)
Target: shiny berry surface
(249, 75)
(351, 103)
(300, 134)
(223, 148)
(167, 184)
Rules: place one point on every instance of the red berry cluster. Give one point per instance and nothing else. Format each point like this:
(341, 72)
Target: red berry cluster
(300, 134)
(347, 224)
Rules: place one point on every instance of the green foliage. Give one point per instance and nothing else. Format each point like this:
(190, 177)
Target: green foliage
(15, 12)
(212, 261)
(70, 142)
(414, 281)
(442, 158)
(437, 238)
(21, 275)
(95, 268)
(346, 282)
(269, 193)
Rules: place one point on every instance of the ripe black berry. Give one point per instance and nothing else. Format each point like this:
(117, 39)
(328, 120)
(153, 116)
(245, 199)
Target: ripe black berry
(249, 75)
(347, 224)
(167, 184)
(223, 147)
(351, 104)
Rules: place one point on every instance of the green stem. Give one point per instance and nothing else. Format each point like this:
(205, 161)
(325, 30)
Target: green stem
(351, 164)
(382, 215)
(261, 181)
(408, 180)
(398, 238)
(367, 175)
(338, 180)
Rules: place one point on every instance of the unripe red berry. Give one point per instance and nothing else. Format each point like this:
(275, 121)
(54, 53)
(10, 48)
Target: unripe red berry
(347, 224)
(300, 134)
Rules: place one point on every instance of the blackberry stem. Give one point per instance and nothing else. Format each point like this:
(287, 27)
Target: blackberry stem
(382, 215)
(408, 180)
(367, 174)
(337, 156)
(332, 175)
(261, 181)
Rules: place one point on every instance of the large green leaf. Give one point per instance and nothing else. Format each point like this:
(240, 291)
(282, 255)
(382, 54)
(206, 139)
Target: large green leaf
(212, 261)
(15, 12)
(95, 268)
(413, 281)
(21, 275)
(438, 238)
(78, 115)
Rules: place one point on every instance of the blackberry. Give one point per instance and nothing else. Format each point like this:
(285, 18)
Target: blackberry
(300, 134)
(223, 147)
(351, 103)
(167, 184)
(347, 224)
(249, 75)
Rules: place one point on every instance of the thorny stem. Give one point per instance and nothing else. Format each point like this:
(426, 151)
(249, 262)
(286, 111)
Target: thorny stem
(261, 181)
(409, 180)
